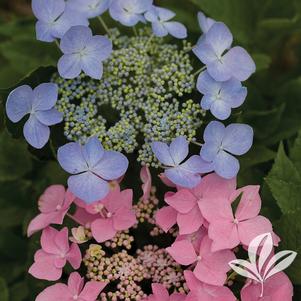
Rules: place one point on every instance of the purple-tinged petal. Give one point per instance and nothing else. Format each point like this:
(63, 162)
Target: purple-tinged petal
(99, 46)
(219, 70)
(112, 165)
(176, 29)
(89, 8)
(19, 103)
(92, 67)
(182, 177)
(179, 149)
(93, 151)
(161, 151)
(75, 39)
(48, 10)
(207, 101)
(164, 14)
(137, 6)
(88, 187)
(220, 109)
(45, 96)
(226, 165)
(240, 63)
(69, 66)
(214, 132)
(207, 85)
(44, 32)
(50, 117)
(195, 164)
(159, 29)
(204, 22)
(204, 52)
(36, 133)
(219, 38)
(71, 158)
(238, 138)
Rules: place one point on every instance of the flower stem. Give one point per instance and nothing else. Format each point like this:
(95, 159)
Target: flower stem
(199, 71)
(196, 143)
(149, 40)
(104, 25)
(57, 44)
(135, 31)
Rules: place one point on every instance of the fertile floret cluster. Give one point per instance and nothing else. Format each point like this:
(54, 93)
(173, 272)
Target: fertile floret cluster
(142, 97)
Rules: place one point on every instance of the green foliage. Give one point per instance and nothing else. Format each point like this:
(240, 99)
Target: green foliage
(4, 294)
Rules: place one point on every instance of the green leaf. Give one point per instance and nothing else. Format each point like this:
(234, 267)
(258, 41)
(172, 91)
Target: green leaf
(285, 183)
(4, 294)
(15, 160)
(289, 229)
(262, 61)
(295, 152)
(19, 291)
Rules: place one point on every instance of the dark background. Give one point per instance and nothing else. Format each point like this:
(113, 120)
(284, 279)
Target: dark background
(269, 29)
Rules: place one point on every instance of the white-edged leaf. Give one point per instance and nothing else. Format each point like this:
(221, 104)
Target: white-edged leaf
(289, 257)
(253, 248)
(265, 251)
(245, 269)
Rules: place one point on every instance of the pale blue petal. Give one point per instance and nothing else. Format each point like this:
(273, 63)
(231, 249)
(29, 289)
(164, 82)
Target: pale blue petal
(19, 103)
(240, 63)
(45, 96)
(50, 117)
(214, 132)
(219, 37)
(159, 29)
(179, 149)
(44, 32)
(207, 101)
(238, 138)
(89, 8)
(220, 109)
(92, 66)
(195, 164)
(204, 22)
(71, 158)
(204, 52)
(235, 98)
(152, 15)
(100, 47)
(207, 85)
(75, 39)
(226, 165)
(176, 29)
(69, 66)
(137, 6)
(210, 150)
(36, 133)
(219, 70)
(88, 187)
(49, 10)
(112, 166)
(93, 151)
(164, 14)
(161, 151)
(183, 178)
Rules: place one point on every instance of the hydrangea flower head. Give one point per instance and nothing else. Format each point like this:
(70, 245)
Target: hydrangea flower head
(221, 142)
(54, 19)
(161, 24)
(56, 251)
(204, 22)
(129, 12)
(185, 174)
(222, 61)
(83, 52)
(76, 289)
(91, 167)
(89, 8)
(54, 203)
(220, 97)
(39, 104)
(202, 291)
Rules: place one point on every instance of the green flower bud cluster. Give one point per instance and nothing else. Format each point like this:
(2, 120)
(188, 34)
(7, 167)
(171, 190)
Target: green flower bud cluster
(142, 97)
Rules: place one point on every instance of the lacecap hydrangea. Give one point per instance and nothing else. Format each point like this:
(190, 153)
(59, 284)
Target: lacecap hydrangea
(136, 100)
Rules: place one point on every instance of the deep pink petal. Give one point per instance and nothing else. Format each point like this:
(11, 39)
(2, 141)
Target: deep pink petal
(83, 217)
(74, 256)
(160, 292)
(250, 202)
(190, 222)
(92, 289)
(177, 297)
(249, 229)
(52, 199)
(55, 292)
(48, 241)
(224, 235)
(146, 179)
(75, 283)
(182, 201)
(61, 240)
(166, 217)
(182, 252)
(123, 219)
(102, 229)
